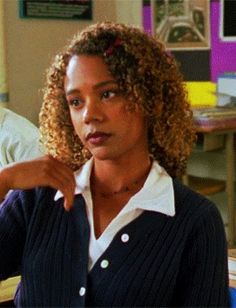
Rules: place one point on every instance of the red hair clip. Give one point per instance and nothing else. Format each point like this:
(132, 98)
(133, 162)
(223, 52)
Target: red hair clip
(111, 48)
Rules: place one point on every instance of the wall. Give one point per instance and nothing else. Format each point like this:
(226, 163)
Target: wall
(31, 43)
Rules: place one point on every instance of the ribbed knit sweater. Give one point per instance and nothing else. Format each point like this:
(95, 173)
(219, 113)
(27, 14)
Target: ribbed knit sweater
(163, 262)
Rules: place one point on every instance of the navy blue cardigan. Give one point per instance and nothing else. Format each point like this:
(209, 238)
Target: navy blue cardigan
(166, 261)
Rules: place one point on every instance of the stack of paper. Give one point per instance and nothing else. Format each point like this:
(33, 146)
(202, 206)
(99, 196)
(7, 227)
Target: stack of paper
(215, 113)
(226, 89)
(232, 267)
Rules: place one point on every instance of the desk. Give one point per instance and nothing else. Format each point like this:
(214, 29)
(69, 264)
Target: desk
(224, 126)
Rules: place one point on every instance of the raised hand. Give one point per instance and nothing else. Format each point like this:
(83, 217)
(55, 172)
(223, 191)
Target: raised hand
(43, 171)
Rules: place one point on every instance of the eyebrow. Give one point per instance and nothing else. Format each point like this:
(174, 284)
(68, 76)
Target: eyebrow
(96, 86)
(104, 83)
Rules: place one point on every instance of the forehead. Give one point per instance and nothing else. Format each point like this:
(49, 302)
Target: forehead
(85, 67)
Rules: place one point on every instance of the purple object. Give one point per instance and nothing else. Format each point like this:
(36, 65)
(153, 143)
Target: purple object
(223, 54)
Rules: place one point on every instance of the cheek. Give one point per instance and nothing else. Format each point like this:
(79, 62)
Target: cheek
(139, 127)
(76, 122)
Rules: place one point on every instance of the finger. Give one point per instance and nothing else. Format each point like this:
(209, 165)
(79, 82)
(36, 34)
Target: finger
(67, 188)
(68, 204)
(67, 184)
(63, 179)
(65, 172)
(60, 167)
(68, 194)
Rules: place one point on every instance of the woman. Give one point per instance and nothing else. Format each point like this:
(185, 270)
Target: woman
(120, 230)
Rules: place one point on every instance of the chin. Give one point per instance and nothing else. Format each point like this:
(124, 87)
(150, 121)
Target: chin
(104, 155)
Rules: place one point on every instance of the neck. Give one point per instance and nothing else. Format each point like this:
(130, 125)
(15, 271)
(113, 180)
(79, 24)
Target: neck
(112, 177)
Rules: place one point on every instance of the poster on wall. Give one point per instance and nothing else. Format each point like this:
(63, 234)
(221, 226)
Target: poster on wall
(182, 24)
(62, 9)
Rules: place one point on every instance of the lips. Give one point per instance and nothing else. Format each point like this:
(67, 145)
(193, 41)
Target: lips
(97, 138)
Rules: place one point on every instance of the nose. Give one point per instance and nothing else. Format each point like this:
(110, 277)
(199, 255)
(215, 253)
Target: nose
(92, 111)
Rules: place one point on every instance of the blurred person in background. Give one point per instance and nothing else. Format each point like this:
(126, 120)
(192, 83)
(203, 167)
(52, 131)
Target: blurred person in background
(19, 138)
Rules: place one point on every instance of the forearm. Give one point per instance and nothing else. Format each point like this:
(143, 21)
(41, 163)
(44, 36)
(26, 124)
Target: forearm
(3, 184)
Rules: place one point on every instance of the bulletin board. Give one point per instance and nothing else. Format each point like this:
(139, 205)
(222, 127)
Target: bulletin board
(194, 62)
(201, 65)
(60, 9)
(182, 24)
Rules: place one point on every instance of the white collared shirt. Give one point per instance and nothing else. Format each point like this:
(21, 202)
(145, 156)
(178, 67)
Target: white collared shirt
(156, 195)
(19, 138)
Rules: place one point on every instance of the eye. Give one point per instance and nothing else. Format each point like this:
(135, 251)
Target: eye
(75, 102)
(109, 94)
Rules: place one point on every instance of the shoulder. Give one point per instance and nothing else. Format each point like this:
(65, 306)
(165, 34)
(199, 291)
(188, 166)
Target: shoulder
(19, 138)
(185, 195)
(20, 125)
(199, 218)
(191, 204)
(2, 115)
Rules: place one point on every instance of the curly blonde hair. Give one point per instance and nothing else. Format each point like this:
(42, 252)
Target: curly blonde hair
(147, 75)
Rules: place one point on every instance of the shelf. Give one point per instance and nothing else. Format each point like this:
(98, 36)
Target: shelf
(205, 186)
(214, 135)
(209, 142)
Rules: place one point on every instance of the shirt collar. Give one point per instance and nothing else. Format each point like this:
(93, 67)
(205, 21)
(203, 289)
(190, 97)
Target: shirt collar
(156, 195)
(82, 179)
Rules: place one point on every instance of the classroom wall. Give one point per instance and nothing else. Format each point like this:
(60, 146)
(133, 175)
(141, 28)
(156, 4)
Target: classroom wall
(31, 43)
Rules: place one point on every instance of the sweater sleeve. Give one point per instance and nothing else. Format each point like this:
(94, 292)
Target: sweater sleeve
(203, 277)
(13, 218)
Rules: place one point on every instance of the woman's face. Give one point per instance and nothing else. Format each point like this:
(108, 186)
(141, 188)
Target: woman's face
(99, 113)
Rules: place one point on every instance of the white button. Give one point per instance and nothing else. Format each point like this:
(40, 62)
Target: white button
(104, 263)
(82, 291)
(125, 237)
